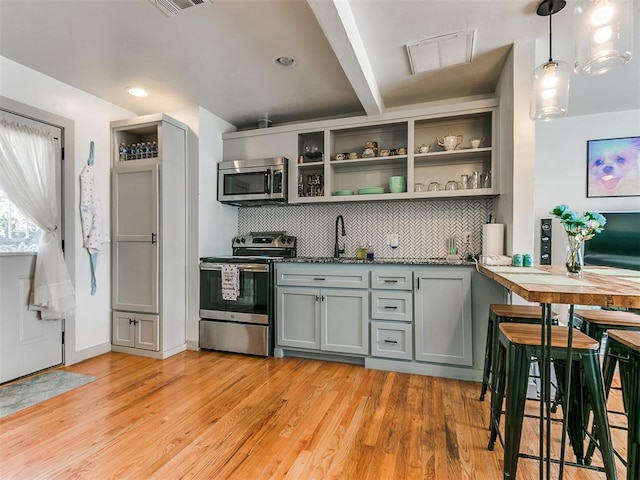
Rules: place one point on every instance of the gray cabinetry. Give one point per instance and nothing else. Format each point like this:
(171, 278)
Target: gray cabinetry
(136, 330)
(423, 319)
(391, 340)
(297, 317)
(344, 321)
(329, 319)
(391, 313)
(443, 325)
(333, 159)
(135, 230)
(149, 254)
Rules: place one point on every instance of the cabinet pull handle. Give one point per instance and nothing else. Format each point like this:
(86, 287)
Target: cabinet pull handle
(131, 321)
(391, 281)
(154, 238)
(395, 342)
(390, 307)
(317, 298)
(319, 278)
(322, 298)
(418, 283)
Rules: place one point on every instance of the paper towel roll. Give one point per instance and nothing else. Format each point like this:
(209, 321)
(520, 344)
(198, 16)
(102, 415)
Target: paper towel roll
(493, 239)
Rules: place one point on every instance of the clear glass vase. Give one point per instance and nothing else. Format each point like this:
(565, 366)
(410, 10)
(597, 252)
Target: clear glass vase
(574, 260)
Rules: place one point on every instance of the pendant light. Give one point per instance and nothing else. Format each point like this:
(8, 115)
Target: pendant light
(603, 31)
(550, 81)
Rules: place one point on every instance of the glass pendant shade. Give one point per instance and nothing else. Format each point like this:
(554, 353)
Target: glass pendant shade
(550, 98)
(603, 31)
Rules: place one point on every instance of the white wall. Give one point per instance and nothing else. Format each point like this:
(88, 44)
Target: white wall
(211, 225)
(560, 173)
(89, 332)
(218, 222)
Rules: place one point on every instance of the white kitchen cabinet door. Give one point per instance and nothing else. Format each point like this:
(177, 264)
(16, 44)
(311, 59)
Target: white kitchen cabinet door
(135, 237)
(345, 327)
(298, 317)
(443, 326)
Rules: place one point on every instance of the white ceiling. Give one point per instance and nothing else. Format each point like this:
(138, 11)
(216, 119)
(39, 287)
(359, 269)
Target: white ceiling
(351, 55)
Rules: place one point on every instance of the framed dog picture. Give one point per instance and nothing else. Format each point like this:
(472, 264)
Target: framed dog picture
(613, 167)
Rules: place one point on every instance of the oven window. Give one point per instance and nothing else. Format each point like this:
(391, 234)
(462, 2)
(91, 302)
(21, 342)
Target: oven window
(253, 298)
(244, 183)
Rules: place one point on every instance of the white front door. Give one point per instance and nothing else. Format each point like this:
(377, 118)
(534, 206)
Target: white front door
(27, 344)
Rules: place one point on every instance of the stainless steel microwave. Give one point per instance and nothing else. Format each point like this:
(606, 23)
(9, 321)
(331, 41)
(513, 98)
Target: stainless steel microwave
(253, 182)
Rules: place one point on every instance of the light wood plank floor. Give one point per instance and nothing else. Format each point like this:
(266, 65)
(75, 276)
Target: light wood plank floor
(211, 415)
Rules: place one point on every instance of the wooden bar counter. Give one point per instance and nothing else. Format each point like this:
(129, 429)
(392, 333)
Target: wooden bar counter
(598, 286)
(550, 284)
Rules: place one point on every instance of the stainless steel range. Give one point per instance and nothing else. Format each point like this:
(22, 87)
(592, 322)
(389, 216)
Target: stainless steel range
(236, 294)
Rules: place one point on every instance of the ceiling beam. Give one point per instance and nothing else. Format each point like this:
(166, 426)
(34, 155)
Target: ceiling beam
(339, 26)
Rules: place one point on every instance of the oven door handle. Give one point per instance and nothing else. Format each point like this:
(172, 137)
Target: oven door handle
(245, 267)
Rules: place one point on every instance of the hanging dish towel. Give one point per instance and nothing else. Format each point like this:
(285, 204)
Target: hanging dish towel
(230, 282)
(94, 231)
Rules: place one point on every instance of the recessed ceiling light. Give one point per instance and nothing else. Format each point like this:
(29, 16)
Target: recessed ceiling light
(137, 91)
(284, 61)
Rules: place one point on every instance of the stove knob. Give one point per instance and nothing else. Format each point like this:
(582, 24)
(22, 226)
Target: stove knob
(236, 240)
(242, 240)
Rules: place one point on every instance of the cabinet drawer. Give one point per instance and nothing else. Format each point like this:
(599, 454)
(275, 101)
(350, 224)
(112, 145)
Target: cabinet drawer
(391, 340)
(392, 280)
(321, 276)
(392, 305)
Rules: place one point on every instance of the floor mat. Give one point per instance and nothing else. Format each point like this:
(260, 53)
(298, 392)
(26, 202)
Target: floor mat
(28, 392)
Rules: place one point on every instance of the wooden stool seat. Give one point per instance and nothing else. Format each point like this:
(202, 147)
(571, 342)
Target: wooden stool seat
(518, 343)
(499, 313)
(596, 323)
(527, 334)
(518, 311)
(611, 318)
(631, 340)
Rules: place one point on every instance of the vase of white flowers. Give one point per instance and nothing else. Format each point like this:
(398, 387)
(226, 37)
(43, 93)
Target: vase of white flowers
(579, 228)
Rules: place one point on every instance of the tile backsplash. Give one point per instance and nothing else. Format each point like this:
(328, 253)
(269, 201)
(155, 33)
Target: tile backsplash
(423, 227)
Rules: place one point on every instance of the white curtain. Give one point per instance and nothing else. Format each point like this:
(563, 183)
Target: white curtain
(27, 176)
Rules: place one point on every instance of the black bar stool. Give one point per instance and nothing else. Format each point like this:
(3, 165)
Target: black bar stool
(499, 313)
(623, 347)
(518, 343)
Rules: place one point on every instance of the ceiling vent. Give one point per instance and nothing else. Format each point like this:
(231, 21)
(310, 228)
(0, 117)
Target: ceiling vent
(440, 52)
(173, 7)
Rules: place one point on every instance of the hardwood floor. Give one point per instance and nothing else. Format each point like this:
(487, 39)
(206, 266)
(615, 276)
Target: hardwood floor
(211, 415)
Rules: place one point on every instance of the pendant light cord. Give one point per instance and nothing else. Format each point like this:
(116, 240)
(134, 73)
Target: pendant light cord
(550, 39)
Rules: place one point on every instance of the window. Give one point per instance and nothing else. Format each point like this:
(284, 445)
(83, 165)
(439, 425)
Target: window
(17, 233)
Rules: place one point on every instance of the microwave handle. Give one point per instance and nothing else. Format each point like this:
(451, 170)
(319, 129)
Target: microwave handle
(267, 180)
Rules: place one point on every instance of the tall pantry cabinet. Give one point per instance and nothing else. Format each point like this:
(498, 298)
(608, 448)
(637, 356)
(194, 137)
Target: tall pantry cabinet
(149, 237)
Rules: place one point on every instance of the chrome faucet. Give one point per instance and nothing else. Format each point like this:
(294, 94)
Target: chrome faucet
(336, 248)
